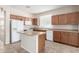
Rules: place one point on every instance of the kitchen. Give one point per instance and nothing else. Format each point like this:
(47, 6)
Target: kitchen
(57, 26)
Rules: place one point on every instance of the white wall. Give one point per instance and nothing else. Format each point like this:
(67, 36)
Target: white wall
(45, 20)
(20, 13)
(74, 27)
(9, 11)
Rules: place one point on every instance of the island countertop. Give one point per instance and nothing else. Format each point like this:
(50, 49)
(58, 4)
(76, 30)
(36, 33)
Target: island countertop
(31, 33)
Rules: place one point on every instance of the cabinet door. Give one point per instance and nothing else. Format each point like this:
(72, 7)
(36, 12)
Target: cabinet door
(73, 39)
(64, 37)
(73, 18)
(63, 19)
(34, 21)
(56, 36)
(55, 20)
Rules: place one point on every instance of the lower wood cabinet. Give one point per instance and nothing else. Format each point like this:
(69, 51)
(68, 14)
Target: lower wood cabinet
(73, 39)
(64, 37)
(70, 38)
(56, 36)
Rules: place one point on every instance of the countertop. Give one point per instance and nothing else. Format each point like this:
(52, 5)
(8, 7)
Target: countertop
(64, 30)
(31, 33)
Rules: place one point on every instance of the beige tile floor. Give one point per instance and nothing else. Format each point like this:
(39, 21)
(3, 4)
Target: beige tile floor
(51, 47)
(11, 48)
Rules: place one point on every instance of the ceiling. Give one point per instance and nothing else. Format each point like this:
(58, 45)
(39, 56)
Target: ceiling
(34, 9)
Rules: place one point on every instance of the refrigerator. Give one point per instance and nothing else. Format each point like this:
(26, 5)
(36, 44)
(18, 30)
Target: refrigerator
(16, 27)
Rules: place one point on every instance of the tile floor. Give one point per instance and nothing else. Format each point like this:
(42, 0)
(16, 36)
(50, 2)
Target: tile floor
(11, 48)
(51, 47)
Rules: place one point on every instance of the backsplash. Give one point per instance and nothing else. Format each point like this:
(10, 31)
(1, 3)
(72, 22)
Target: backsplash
(74, 27)
(78, 26)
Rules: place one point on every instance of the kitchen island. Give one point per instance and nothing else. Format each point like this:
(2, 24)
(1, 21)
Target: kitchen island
(33, 41)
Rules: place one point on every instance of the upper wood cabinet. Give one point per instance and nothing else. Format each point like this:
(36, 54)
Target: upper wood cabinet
(16, 17)
(63, 19)
(55, 20)
(69, 18)
(34, 21)
(73, 18)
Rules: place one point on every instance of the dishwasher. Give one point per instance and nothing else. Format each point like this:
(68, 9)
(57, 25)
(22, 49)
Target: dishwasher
(49, 35)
